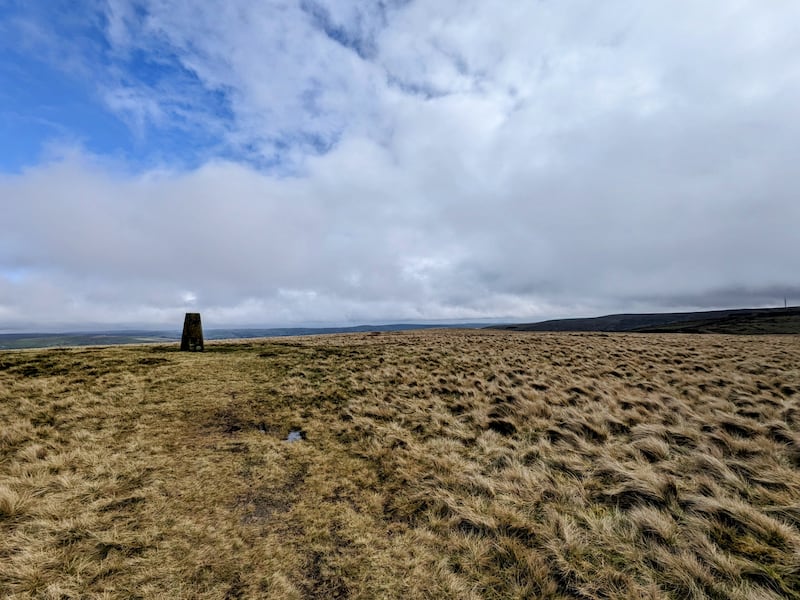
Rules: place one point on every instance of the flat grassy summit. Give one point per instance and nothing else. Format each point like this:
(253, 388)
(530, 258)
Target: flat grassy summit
(435, 464)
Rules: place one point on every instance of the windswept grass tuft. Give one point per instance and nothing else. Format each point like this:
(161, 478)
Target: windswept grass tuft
(446, 464)
(12, 504)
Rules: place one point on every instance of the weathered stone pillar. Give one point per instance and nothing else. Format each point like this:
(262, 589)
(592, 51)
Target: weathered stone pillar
(192, 338)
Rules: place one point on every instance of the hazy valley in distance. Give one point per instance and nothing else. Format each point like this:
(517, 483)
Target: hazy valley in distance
(18, 341)
(745, 321)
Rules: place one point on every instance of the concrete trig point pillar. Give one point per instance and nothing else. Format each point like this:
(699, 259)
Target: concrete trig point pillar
(192, 338)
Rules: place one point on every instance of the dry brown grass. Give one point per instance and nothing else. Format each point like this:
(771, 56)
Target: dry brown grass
(435, 465)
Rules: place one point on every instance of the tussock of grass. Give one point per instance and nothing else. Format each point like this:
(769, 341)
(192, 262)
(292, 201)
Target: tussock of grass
(12, 504)
(434, 464)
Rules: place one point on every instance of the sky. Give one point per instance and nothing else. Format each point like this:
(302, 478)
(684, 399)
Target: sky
(311, 162)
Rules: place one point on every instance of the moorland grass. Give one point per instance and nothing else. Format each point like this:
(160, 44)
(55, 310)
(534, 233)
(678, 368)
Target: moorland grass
(436, 464)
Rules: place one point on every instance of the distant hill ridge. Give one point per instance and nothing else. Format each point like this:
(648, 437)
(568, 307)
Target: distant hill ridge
(737, 321)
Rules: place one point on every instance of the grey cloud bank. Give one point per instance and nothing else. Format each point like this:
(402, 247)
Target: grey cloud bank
(430, 161)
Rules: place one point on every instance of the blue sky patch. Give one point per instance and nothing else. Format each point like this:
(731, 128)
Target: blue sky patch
(57, 76)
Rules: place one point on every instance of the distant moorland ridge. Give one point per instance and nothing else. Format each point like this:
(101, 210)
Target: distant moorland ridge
(738, 321)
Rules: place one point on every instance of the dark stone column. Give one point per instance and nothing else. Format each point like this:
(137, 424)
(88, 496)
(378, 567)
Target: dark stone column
(192, 338)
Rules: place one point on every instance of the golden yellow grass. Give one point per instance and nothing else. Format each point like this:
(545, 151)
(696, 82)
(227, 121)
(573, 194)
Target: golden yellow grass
(438, 464)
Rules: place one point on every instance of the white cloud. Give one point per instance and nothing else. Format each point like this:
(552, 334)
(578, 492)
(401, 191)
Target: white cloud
(529, 161)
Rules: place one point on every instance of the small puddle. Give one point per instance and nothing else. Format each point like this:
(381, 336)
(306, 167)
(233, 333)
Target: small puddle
(295, 435)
